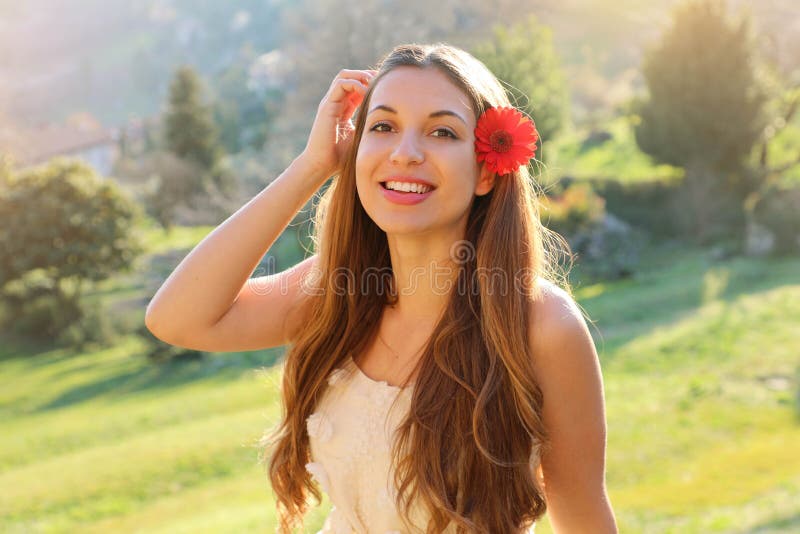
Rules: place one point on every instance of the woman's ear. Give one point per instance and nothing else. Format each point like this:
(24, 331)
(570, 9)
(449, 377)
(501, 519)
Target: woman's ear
(485, 181)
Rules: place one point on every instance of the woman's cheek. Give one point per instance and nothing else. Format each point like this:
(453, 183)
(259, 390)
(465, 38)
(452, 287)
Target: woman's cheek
(366, 153)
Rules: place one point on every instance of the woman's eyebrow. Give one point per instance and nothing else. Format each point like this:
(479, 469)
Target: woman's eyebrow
(432, 115)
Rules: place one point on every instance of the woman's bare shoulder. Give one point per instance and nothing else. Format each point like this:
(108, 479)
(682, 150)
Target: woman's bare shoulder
(554, 316)
(552, 301)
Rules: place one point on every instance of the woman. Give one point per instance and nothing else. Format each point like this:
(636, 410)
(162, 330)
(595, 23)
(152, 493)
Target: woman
(437, 378)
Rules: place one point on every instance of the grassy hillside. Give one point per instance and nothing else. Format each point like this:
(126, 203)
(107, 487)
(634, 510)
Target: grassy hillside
(701, 374)
(619, 157)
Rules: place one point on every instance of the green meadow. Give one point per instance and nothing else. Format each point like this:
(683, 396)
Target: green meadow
(700, 361)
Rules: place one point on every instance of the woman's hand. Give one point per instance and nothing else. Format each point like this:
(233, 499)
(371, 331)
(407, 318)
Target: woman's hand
(332, 132)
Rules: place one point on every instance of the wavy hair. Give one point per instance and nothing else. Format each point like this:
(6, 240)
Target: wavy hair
(475, 377)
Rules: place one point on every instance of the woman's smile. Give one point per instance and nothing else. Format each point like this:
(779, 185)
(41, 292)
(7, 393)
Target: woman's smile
(406, 194)
(406, 190)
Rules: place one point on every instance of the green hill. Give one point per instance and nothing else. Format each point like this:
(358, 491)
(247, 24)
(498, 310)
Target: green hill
(701, 373)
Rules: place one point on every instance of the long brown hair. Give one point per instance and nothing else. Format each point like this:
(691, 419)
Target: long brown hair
(475, 378)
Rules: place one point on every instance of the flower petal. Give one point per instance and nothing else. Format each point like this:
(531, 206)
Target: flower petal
(518, 126)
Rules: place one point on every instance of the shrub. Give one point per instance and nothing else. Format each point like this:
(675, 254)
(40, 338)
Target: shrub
(158, 352)
(164, 182)
(595, 138)
(609, 250)
(96, 327)
(66, 220)
(607, 246)
(650, 205)
(64, 227)
(34, 310)
(576, 208)
(777, 207)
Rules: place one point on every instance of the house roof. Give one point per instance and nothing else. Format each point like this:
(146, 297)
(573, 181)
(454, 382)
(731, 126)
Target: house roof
(30, 145)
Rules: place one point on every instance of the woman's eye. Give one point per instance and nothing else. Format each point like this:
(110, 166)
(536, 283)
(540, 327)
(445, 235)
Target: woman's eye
(375, 128)
(446, 131)
(378, 128)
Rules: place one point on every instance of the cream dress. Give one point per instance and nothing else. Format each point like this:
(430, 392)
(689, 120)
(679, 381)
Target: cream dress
(350, 435)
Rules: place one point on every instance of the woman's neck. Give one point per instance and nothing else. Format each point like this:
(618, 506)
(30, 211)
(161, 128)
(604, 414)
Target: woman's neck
(425, 272)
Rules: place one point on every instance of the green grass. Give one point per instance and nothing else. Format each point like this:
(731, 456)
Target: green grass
(179, 237)
(701, 370)
(619, 157)
(700, 362)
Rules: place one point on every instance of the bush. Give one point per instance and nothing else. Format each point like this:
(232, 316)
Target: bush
(64, 227)
(607, 246)
(595, 138)
(609, 250)
(576, 208)
(35, 311)
(159, 352)
(650, 205)
(712, 210)
(96, 327)
(66, 220)
(163, 182)
(777, 208)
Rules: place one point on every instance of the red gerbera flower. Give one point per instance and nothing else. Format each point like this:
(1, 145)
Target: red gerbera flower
(505, 138)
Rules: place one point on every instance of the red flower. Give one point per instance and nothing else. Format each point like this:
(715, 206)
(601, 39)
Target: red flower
(505, 138)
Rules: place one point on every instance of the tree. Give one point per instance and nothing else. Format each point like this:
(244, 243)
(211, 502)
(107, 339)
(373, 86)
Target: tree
(523, 56)
(190, 130)
(169, 181)
(63, 227)
(191, 134)
(244, 107)
(705, 111)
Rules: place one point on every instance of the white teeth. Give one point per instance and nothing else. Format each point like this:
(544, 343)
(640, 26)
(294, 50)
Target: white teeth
(406, 186)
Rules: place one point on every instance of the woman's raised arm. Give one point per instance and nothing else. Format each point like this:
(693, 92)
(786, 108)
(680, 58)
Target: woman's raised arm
(206, 303)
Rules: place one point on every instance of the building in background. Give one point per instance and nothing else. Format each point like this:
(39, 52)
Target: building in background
(81, 136)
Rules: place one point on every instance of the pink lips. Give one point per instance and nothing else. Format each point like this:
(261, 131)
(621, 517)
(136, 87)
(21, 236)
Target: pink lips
(404, 198)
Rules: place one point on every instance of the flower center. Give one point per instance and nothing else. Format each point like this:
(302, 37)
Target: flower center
(501, 141)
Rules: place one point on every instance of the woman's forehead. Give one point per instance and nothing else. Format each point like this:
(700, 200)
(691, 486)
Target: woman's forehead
(420, 90)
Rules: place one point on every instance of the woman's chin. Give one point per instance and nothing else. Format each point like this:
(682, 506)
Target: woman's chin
(398, 227)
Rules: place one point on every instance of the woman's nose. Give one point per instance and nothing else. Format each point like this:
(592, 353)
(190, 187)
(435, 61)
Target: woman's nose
(407, 151)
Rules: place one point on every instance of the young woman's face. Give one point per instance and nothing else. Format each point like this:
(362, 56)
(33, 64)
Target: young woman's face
(420, 126)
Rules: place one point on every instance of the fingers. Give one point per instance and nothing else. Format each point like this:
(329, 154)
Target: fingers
(350, 89)
(364, 76)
